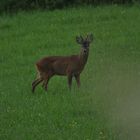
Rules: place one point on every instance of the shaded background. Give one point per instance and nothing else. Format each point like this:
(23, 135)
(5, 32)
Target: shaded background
(15, 5)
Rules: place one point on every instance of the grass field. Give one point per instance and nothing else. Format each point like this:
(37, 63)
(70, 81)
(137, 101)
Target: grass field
(106, 107)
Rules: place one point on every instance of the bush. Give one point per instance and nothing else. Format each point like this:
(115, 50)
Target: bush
(14, 5)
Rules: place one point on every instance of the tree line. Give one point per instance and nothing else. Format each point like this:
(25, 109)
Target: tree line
(15, 5)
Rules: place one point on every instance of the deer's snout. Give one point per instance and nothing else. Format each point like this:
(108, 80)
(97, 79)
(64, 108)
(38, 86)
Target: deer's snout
(85, 50)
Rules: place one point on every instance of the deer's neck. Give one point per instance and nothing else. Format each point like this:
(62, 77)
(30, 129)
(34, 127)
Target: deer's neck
(83, 57)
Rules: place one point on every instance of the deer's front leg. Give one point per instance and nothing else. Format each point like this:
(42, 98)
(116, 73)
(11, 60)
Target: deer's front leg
(77, 77)
(70, 81)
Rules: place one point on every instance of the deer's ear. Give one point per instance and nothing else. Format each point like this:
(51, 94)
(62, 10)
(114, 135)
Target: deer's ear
(90, 38)
(79, 39)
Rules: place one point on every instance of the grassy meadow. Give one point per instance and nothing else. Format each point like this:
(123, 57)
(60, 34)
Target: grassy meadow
(106, 107)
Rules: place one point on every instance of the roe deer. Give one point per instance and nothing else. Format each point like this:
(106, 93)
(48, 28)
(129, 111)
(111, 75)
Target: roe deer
(70, 66)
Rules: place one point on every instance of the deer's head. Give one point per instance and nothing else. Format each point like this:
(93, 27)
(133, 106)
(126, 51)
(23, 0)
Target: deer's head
(84, 42)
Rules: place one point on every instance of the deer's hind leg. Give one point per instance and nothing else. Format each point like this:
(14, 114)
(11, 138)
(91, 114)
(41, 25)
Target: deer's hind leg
(35, 81)
(70, 81)
(46, 78)
(38, 80)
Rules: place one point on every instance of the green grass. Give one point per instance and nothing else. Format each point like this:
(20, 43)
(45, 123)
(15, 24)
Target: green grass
(106, 107)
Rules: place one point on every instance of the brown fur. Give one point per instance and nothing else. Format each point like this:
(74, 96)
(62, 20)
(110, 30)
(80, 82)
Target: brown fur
(70, 66)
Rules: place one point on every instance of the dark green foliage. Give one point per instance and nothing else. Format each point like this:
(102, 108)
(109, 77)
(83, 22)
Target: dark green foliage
(14, 5)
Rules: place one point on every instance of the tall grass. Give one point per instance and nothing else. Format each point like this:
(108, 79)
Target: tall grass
(106, 107)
